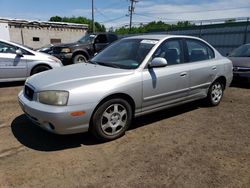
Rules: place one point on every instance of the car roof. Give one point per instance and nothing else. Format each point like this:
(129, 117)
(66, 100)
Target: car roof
(157, 36)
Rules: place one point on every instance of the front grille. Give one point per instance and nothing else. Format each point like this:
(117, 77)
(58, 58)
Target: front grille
(241, 69)
(28, 92)
(57, 50)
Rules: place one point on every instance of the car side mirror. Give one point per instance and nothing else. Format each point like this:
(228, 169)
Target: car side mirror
(158, 62)
(19, 52)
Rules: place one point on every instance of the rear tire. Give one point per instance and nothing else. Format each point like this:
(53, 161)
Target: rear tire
(79, 59)
(39, 68)
(215, 93)
(111, 119)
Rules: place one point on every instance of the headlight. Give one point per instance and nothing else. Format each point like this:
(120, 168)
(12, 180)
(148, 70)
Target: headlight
(55, 59)
(65, 50)
(57, 98)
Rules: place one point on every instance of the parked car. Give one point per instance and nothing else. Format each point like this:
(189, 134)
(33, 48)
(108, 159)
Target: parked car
(130, 78)
(46, 49)
(85, 48)
(18, 62)
(241, 61)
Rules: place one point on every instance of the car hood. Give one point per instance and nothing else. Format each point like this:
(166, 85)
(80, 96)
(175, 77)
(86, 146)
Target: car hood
(240, 61)
(72, 76)
(43, 56)
(68, 45)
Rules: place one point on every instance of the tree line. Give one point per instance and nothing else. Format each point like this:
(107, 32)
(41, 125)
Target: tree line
(143, 28)
(152, 27)
(79, 20)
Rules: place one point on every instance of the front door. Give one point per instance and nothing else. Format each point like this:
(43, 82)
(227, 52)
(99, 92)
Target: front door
(12, 66)
(166, 85)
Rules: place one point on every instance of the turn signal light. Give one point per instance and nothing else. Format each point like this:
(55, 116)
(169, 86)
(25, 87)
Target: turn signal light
(78, 113)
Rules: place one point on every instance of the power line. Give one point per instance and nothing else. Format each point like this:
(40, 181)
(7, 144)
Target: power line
(97, 10)
(192, 21)
(210, 10)
(114, 19)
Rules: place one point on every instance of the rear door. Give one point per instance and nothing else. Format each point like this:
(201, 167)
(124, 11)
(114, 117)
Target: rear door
(203, 67)
(12, 66)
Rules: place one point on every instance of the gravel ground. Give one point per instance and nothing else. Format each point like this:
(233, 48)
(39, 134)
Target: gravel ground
(188, 146)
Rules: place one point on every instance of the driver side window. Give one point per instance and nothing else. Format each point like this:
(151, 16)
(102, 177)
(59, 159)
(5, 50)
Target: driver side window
(101, 39)
(170, 50)
(6, 48)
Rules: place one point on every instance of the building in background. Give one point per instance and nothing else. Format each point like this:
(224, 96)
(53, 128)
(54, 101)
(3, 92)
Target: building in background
(36, 34)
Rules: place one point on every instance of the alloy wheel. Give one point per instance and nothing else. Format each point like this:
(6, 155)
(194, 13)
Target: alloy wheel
(114, 119)
(216, 93)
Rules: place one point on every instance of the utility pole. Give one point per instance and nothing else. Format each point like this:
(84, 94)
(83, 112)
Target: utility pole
(93, 17)
(131, 10)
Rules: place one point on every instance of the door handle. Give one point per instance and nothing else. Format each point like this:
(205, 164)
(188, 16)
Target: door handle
(214, 68)
(183, 74)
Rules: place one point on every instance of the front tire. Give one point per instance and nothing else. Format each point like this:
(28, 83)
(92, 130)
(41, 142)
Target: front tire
(39, 68)
(215, 93)
(79, 59)
(111, 119)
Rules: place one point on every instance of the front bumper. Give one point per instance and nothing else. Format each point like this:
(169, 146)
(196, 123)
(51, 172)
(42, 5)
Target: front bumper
(65, 58)
(242, 75)
(57, 119)
(241, 72)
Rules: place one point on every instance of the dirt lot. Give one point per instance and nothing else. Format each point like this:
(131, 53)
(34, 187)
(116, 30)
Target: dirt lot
(188, 146)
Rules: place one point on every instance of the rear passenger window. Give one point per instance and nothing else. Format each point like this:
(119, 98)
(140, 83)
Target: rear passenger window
(170, 50)
(198, 51)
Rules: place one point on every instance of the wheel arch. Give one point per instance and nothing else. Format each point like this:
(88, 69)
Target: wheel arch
(40, 64)
(124, 96)
(221, 79)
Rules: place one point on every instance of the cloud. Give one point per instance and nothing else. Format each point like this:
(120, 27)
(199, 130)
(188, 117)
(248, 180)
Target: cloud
(146, 11)
(168, 11)
(195, 10)
(108, 11)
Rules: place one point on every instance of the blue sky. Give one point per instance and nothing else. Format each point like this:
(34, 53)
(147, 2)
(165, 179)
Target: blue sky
(112, 13)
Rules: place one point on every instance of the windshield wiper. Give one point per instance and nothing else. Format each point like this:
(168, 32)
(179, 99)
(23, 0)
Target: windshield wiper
(104, 64)
(92, 62)
(108, 65)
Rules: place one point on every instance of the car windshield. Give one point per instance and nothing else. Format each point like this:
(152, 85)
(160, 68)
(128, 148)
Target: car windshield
(87, 38)
(242, 51)
(125, 54)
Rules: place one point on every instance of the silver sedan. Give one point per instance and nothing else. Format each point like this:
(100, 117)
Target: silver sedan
(18, 62)
(132, 77)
